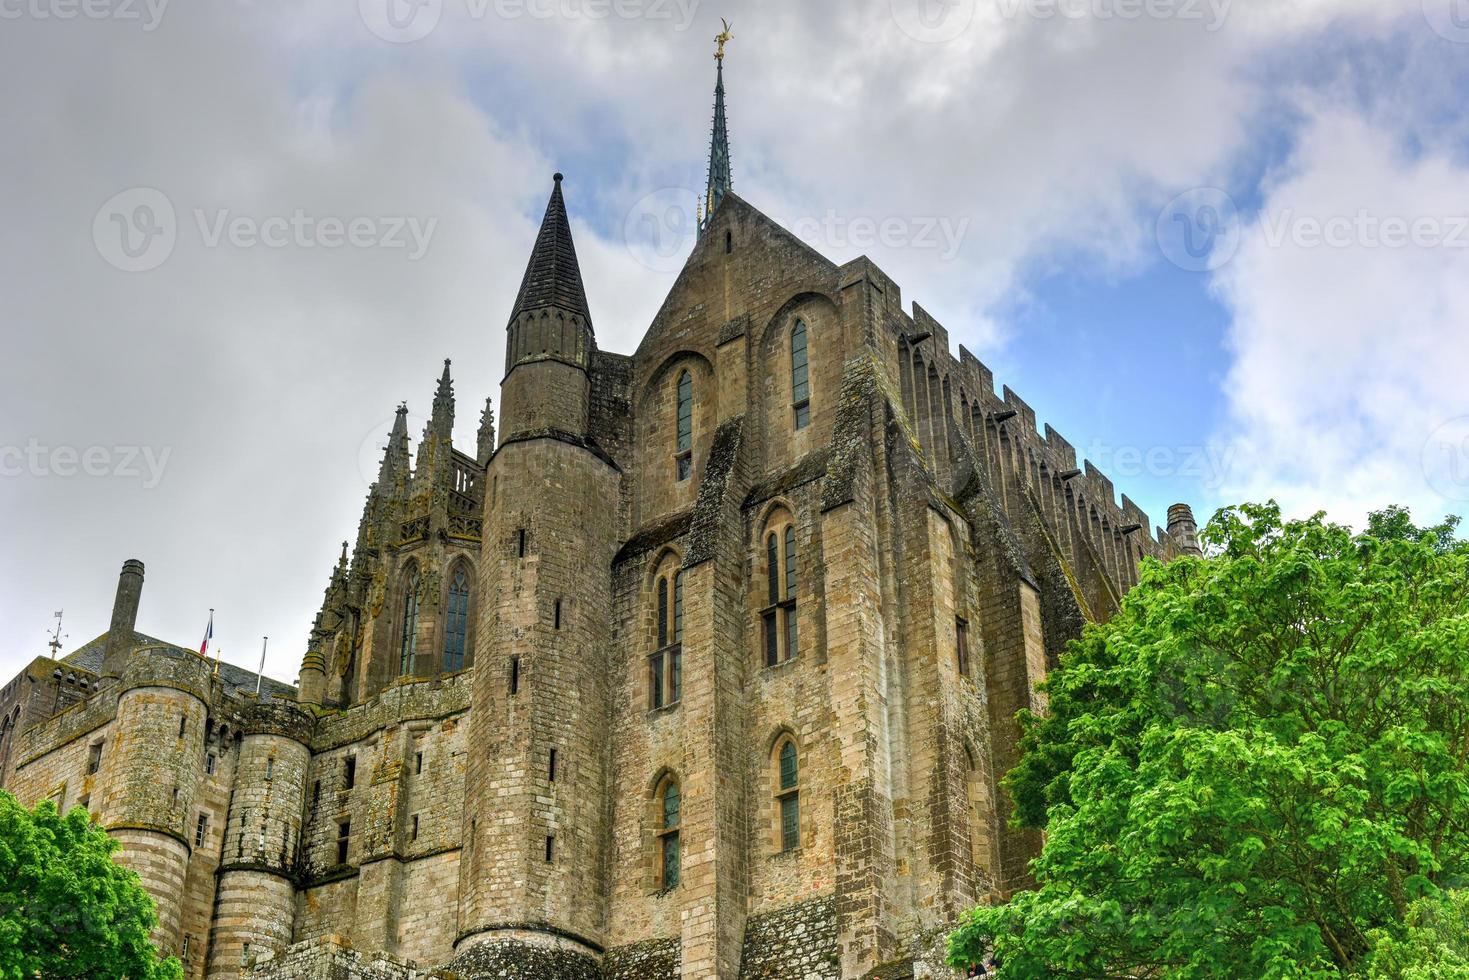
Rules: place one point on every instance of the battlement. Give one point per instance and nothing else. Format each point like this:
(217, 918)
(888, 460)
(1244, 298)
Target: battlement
(1003, 421)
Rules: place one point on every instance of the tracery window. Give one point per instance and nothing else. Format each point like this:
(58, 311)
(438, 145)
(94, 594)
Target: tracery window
(408, 641)
(665, 664)
(800, 379)
(456, 621)
(778, 618)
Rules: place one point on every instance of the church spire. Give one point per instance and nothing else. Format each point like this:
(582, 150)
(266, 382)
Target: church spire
(552, 277)
(442, 421)
(719, 174)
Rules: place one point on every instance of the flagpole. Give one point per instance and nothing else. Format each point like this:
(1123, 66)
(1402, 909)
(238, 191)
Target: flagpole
(260, 674)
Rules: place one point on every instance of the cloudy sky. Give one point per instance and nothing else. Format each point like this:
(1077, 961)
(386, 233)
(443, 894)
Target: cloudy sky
(1222, 246)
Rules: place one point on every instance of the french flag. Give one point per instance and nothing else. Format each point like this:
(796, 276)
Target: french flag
(208, 635)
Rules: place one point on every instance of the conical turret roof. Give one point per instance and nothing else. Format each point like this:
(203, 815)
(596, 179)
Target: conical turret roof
(552, 277)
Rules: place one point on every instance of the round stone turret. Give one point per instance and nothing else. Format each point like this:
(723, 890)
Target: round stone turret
(152, 770)
(256, 899)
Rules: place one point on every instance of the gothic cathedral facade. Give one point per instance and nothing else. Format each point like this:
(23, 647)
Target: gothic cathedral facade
(704, 666)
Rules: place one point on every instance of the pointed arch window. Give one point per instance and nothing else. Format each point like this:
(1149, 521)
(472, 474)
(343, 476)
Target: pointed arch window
(408, 640)
(456, 622)
(670, 816)
(800, 377)
(665, 664)
(781, 637)
(788, 795)
(685, 443)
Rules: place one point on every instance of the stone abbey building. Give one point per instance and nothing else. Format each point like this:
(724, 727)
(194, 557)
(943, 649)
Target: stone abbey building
(705, 665)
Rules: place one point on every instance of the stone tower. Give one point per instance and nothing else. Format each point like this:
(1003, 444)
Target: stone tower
(536, 783)
(256, 898)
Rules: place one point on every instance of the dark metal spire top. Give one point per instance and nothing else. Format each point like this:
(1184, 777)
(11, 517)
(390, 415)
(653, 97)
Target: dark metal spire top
(552, 277)
(719, 173)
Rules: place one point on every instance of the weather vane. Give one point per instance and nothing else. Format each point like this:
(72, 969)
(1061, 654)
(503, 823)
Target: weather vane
(720, 39)
(56, 635)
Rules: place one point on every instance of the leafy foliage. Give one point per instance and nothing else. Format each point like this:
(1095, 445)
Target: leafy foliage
(1434, 946)
(66, 909)
(1261, 760)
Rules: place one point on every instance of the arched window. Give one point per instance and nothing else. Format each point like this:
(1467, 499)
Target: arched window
(408, 644)
(670, 806)
(788, 795)
(685, 444)
(782, 642)
(800, 380)
(665, 664)
(456, 623)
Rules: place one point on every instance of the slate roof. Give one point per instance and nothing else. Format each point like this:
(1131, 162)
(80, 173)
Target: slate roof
(552, 277)
(88, 657)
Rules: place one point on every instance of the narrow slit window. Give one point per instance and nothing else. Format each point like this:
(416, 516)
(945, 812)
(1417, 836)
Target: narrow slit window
(788, 798)
(417, 763)
(350, 773)
(514, 676)
(344, 835)
(520, 542)
(684, 445)
(557, 615)
(413, 833)
(551, 767)
(961, 646)
(670, 813)
(550, 848)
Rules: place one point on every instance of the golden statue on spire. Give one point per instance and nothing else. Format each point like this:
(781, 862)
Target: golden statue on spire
(720, 39)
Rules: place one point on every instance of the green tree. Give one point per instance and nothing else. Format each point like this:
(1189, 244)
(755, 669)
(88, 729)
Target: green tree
(1260, 760)
(66, 908)
(1434, 945)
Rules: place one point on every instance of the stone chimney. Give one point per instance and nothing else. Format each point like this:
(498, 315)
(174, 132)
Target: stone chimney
(124, 618)
(1183, 530)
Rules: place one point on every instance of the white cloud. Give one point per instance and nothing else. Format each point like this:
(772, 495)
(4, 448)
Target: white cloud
(263, 370)
(1347, 355)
